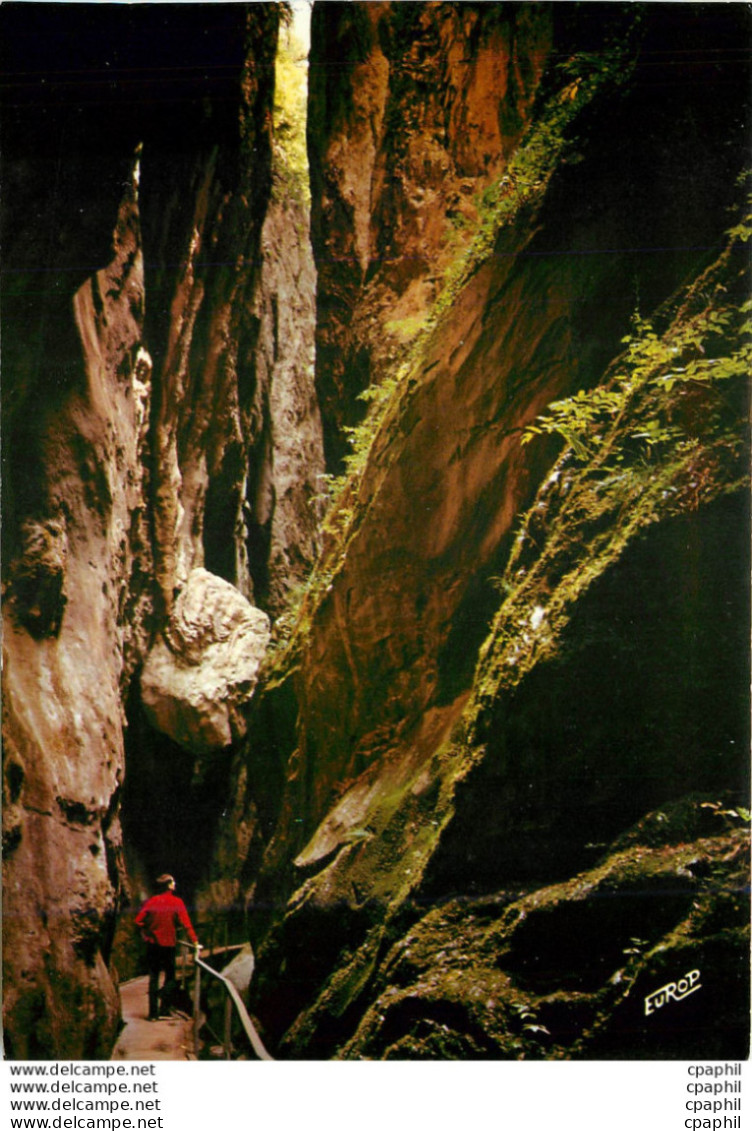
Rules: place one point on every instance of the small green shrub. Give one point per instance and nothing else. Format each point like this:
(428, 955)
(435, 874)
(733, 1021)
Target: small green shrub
(711, 346)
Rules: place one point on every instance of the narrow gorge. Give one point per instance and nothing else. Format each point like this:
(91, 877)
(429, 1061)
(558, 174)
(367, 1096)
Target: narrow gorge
(376, 540)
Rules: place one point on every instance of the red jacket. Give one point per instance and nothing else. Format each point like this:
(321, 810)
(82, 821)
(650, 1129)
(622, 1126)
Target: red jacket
(159, 918)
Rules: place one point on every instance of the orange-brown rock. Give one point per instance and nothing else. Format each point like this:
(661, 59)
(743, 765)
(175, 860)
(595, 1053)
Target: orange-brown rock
(285, 465)
(419, 114)
(459, 712)
(75, 622)
(354, 772)
(110, 130)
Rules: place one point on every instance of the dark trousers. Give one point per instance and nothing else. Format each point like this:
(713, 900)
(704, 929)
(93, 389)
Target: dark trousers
(160, 959)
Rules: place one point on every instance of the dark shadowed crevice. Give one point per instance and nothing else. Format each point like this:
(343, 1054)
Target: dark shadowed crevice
(169, 804)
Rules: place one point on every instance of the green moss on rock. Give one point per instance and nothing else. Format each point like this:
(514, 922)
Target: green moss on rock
(564, 970)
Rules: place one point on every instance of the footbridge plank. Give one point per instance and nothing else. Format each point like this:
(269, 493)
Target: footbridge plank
(140, 1039)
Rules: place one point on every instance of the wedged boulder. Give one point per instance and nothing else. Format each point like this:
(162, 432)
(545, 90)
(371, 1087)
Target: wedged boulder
(240, 970)
(203, 670)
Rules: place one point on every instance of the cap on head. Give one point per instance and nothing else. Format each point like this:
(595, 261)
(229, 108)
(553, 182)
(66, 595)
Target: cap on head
(165, 880)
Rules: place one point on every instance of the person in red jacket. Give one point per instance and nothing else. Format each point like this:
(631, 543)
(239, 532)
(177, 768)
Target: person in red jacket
(158, 921)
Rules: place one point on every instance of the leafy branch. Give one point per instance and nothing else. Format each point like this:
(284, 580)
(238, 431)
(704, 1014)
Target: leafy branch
(711, 346)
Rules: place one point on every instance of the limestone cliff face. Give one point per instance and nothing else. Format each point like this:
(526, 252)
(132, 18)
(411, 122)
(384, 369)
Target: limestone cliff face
(421, 110)
(362, 785)
(286, 463)
(148, 388)
(76, 620)
(204, 274)
(517, 679)
(202, 670)
(238, 447)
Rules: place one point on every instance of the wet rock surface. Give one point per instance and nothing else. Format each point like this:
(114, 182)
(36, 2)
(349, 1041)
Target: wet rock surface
(85, 223)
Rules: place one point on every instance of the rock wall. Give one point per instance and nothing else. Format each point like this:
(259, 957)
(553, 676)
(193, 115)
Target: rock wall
(424, 105)
(203, 274)
(498, 191)
(148, 385)
(238, 445)
(351, 783)
(76, 617)
(286, 464)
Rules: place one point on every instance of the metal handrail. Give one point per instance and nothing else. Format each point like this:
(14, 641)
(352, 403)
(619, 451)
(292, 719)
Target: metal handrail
(250, 1028)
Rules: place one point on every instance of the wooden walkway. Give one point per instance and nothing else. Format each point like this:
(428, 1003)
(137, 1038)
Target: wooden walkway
(167, 1039)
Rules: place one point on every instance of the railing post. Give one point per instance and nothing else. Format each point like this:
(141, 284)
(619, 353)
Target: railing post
(228, 1028)
(196, 1001)
(233, 999)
